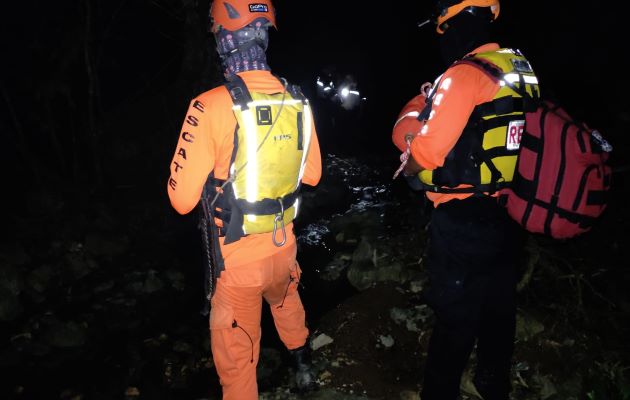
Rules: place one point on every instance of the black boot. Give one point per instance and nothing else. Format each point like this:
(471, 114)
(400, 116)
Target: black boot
(304, 376)
(492, 386)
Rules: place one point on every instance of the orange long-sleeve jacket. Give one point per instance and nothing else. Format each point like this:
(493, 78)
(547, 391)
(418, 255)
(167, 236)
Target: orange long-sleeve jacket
(459, 90)
(205, 145)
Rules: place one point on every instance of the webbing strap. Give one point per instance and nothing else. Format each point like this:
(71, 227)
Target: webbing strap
(500, 106)
(267, 206)
(539, 158)
(240, 207)
(239, 92)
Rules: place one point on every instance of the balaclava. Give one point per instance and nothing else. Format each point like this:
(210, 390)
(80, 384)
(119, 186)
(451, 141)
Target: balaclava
(244, 49)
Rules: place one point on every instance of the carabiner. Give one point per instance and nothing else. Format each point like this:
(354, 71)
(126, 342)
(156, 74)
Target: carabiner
(279, 217)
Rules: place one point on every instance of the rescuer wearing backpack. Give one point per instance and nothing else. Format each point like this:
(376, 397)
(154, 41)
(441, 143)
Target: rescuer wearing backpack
(460, 137)
(244, 150)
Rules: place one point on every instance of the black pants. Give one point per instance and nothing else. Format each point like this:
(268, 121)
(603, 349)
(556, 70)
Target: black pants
(473, 251)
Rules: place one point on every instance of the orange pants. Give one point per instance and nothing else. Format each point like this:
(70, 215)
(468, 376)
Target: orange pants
(235, 318)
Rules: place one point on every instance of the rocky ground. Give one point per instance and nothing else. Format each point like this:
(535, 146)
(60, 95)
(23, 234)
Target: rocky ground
(101, 300)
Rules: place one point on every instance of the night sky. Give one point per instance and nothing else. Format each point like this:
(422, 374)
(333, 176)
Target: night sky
(93, 93)
(150, 57)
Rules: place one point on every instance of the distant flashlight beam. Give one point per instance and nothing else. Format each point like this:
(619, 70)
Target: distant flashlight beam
(421, 24)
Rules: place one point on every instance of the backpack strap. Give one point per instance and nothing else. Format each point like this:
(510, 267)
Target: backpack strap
(238, 92)
(526, 103)
(426, 111)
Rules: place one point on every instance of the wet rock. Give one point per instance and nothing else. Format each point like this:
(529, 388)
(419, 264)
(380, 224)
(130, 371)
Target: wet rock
(342, 361)
(335, 268)
(325, 376)
(352, 226)
(132, 392)
(527, 327)
(416, 286)
(393, 272)
(182, 347)
(332, 394)
(414, 319)
(368, 267)
(547, 388)
(332, 271)
(320, 340)
(176, 372)
(467, 386)
(387, 341)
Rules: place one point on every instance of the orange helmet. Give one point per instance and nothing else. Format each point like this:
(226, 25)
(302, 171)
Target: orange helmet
(233, 15)
(448, 9)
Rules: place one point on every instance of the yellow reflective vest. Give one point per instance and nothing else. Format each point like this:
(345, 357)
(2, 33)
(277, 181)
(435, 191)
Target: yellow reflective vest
(271, 141)
(485, 154)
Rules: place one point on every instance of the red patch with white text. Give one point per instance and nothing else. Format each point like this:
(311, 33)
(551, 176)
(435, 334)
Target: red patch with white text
(514, 133)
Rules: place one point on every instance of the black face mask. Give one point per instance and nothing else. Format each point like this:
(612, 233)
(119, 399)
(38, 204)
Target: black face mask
(464, 33)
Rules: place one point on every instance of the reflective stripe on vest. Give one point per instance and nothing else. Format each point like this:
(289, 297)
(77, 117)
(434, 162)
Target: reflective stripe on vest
(273, 137)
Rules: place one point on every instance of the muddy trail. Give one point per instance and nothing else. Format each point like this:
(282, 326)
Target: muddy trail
(102, 299)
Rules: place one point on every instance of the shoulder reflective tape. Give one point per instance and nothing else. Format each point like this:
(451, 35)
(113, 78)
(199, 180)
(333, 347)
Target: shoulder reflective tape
(232, 172)
(270, 103)
(511, 78)
(413, 114)
(446, 84)
(307, 140)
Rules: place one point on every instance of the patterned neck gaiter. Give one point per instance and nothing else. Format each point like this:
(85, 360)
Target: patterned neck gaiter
(249, 56)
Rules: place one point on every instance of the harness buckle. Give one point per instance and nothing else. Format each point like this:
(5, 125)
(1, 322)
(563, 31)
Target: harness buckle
(279, 217)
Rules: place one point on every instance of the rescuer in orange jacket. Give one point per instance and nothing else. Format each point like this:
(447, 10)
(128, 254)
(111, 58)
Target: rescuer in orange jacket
(250, 143)
(459, 139)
